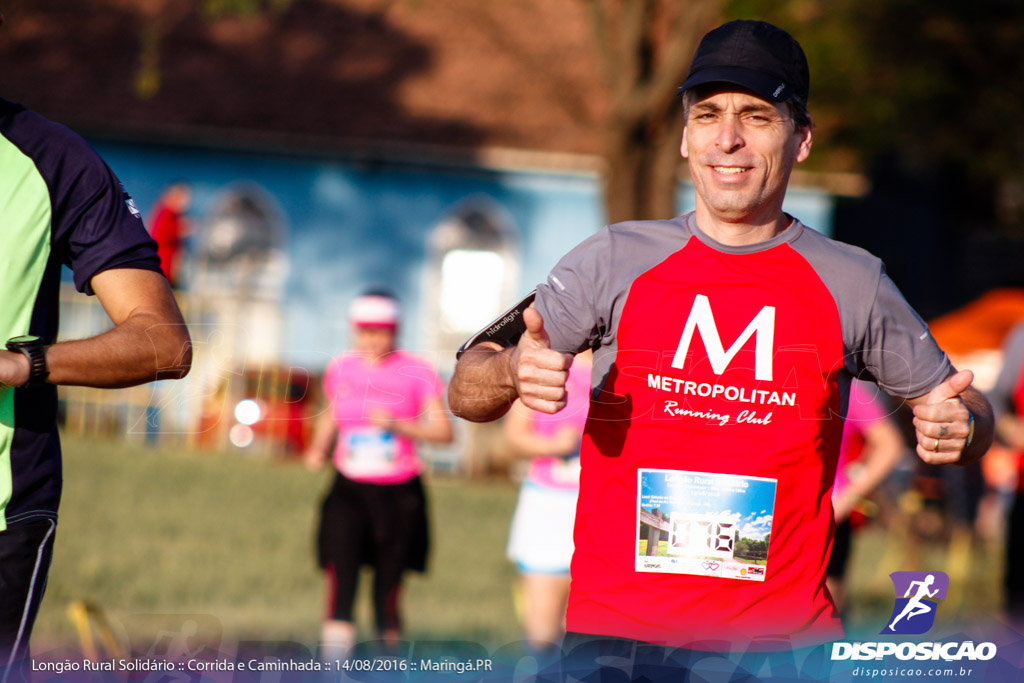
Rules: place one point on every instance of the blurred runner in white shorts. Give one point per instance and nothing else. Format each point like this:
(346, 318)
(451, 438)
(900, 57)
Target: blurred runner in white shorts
(540, 542)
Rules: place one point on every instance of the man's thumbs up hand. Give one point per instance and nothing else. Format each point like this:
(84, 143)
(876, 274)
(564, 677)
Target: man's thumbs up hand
(540, 372)
(942, 421)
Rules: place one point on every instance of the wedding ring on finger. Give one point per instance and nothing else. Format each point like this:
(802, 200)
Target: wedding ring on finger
(936, 448)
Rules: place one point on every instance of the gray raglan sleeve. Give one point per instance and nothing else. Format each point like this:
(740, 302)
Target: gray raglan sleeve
(1001, 394)
(897, 349)
(567, 299)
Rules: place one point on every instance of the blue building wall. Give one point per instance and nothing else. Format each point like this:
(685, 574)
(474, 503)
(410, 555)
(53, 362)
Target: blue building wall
(351, 224)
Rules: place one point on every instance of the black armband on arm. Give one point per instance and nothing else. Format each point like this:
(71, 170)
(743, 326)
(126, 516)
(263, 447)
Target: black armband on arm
(505, 330)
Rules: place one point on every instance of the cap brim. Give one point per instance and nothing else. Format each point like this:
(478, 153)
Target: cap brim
(764, 86)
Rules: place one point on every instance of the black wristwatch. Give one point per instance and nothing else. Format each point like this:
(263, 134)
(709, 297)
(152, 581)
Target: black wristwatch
(35, 351)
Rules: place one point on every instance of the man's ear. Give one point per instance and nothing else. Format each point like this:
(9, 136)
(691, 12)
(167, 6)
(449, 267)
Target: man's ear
(806, 139)
(682, 146)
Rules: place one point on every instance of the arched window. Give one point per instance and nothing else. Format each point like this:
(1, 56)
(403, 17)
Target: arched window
(240, 246)
(239, 266)
(473, 273)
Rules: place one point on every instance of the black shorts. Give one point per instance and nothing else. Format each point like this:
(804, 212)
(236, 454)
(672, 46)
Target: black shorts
(25, 554)
(381, 525)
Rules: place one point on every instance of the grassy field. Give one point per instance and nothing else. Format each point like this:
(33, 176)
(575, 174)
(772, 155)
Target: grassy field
(158, 537)
(154, 536)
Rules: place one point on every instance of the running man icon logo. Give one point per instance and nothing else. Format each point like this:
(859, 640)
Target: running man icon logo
(916, 596)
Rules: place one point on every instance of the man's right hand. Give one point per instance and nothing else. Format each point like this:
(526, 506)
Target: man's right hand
(539, 372)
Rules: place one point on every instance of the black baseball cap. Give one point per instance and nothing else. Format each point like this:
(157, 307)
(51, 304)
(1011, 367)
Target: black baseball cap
(755, 55)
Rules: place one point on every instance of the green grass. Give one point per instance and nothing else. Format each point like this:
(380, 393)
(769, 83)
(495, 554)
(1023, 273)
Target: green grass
(158, 536)
(975, 571)
(154, 534)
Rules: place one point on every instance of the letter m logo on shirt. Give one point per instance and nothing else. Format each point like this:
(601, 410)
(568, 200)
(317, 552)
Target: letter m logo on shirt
(762, 327)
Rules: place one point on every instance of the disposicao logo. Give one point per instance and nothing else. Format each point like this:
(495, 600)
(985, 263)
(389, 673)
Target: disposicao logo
(917, 594)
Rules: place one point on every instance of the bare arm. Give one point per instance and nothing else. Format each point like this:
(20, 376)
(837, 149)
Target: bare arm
(883, 448)
(323, 434)
(941, 418)
(488, 378)
(521, 435)
(1011, 431)
(149, 340)
(482, 388)
(434, 424)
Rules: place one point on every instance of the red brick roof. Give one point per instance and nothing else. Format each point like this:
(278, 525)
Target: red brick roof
(474, 73)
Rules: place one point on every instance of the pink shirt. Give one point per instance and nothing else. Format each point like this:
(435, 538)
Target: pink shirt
(562, 473)
(400, 385)
(864, 410)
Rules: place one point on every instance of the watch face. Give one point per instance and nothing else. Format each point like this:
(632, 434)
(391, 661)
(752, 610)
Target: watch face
(23, 339)
(15, 343)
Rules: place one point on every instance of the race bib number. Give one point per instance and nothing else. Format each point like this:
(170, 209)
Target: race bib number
(704, 523)
(370, 452)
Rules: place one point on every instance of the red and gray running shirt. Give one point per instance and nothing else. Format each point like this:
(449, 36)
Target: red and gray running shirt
(59, 204)
(720, 377)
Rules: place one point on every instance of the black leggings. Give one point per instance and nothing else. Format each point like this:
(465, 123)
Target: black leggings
(387, 588)
(383, 526)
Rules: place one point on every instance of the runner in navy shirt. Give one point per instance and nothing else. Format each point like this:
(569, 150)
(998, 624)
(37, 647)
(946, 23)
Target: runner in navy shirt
(61, 205)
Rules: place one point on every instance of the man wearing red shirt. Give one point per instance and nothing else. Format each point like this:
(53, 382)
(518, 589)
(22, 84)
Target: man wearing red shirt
(170, 227)
(724, 344)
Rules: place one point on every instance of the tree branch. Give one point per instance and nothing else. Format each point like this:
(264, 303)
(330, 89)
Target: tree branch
(670, 72)
(632, 49)
(605, 50)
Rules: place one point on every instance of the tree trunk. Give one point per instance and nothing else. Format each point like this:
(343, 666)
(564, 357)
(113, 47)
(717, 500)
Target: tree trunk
(646, 47)
(642, 175)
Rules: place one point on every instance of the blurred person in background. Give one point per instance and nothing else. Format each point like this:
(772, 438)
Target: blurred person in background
(61, 204)
(871, 448)
(169, 228)
(381, 403)
(540, 542)
(1007, 398)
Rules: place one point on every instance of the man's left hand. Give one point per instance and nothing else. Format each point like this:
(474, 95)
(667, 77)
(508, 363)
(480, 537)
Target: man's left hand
(14, 369)
(942, 421)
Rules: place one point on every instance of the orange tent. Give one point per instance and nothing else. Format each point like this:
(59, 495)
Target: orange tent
(981, 324)
(973, 337)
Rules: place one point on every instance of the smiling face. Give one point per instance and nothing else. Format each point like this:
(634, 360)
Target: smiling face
(741, 151)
